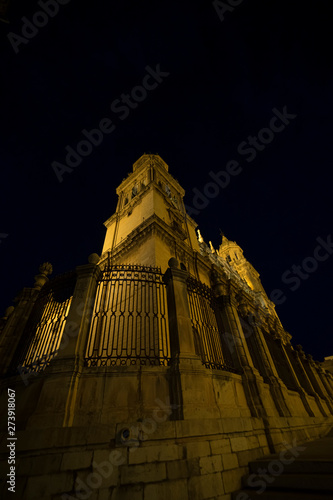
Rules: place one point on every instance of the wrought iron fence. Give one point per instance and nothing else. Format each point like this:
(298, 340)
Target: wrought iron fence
(129, 323)
(208, 338)
(43, 332)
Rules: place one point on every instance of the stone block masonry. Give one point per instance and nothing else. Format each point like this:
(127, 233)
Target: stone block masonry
(182, 467)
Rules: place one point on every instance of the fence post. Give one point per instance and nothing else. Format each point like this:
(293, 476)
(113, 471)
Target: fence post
(79, 316)
(180, 326)
(62, 375)
(77, 330)
(190, 382)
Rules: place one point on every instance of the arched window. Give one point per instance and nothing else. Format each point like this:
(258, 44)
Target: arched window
(167, 190)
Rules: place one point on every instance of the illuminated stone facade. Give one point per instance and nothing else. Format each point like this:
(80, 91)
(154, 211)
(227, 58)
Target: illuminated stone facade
(158, 369)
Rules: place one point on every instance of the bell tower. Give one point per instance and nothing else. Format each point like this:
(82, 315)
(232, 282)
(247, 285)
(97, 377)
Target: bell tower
(150, 224)
(232, 253)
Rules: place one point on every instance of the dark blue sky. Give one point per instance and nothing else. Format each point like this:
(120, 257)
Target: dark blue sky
(225, 78)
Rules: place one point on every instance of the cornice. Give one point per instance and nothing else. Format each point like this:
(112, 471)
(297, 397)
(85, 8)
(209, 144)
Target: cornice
(152, 225)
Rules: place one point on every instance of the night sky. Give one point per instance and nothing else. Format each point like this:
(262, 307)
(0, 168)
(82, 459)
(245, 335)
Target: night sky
(222, 82)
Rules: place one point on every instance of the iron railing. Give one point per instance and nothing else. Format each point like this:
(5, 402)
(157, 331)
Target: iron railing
(208, 338)
(43, 333)
(129, 323)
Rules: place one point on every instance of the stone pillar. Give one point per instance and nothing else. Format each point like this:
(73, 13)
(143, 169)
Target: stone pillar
(62, 376)
(15, 323)
(191, 389)
(277, 387)
(300, 390)
(310, 388)
(318, 383)
(79, 317)
(320, 391)
(313, 375)
(329, 378)
(231, 324)
(323, 378)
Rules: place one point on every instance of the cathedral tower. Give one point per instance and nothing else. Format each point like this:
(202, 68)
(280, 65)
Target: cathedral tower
(158, 369)
(150, 224)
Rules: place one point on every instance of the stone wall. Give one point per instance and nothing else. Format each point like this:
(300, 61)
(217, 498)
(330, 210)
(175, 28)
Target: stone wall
(184, 429)
(161, 459)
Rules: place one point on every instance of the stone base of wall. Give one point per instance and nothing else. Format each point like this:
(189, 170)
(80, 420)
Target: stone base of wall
(199, 459)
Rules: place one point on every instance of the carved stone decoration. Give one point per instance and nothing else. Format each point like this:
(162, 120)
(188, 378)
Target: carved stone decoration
(218, 281)
(244, 307)
(40, 279)
(46, 268)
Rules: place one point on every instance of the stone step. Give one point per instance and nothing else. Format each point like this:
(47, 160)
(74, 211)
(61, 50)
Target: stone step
(294, 482)
(299, 466)
(280, 495)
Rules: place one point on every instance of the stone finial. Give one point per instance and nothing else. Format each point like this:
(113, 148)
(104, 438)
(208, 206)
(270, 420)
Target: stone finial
(40, 279)
(93, 258)
(173, 263)
(218, 285)
(211, 247)
(46, 268)
(200, 238)
(8, 312)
